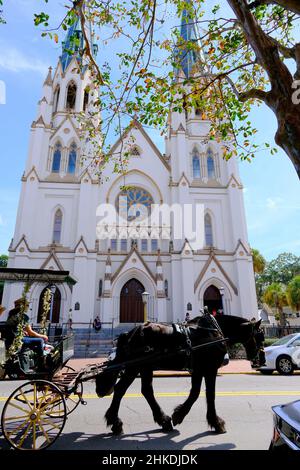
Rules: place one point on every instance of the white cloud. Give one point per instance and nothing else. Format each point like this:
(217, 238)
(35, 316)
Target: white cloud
(15, 61)
(274, 203)
(2, 223)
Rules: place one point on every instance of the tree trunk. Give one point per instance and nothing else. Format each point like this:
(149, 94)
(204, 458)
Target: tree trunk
(280, 97)
(282, 320)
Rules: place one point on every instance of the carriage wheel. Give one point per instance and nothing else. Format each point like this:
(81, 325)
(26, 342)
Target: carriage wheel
(34, 415)
(72, 400)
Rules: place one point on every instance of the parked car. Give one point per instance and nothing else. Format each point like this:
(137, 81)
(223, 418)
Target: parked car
(283, 355)
(286, 433)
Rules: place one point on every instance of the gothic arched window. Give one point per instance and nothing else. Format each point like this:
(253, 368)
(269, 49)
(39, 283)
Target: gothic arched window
(166, 286)
(85, 99)
(100, 288)
(210, 165)
(72, 158)
(196, 166)
(56, 99)
(57, 226)
(71, 96)
(56, 158)
(208, 230)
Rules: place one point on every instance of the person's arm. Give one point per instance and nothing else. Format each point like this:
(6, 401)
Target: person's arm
(34, 334)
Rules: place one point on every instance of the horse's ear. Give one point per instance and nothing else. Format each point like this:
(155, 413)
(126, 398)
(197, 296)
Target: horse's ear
(257, 324)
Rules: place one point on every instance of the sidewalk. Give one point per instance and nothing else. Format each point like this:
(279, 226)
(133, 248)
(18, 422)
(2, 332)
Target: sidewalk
(235, 366)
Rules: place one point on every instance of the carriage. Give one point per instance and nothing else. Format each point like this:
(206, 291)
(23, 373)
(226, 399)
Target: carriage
(35, 413)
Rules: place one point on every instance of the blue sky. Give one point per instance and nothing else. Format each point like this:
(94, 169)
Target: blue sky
(271, 186)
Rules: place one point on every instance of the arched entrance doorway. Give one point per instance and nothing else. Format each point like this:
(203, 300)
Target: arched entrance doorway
(212, 299)
(131, 302)
(55, 313)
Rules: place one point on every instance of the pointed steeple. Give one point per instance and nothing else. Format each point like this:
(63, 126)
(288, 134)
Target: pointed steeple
(190, 57)
(74, 43)
(48, 81)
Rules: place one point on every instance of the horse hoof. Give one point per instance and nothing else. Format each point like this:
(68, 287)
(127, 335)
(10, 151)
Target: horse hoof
(176, 418)
(167, 425)
(117, 429)
(220, 429)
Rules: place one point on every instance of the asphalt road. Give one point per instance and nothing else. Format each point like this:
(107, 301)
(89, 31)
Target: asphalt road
(244, 401)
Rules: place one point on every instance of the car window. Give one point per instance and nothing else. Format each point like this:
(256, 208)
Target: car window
(284, 340)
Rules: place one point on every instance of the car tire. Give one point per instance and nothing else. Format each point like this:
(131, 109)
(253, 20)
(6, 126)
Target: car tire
(284, 365)
(266, 371)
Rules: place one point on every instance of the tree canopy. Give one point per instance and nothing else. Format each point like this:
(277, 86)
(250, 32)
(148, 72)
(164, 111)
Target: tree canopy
(249, 56)
(293, 293)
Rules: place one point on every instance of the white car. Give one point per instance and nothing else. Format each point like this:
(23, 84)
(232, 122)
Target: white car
(283, 355)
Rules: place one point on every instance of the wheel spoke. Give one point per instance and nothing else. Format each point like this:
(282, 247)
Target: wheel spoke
(24, 435)
(25, 398)
(34, 395)
(14, 431)
(19, 408)
(44, 432)
(11, 418)
(49, 423)
(34, 435)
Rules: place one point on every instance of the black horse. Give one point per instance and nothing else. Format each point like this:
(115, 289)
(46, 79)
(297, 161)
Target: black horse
(159, 346)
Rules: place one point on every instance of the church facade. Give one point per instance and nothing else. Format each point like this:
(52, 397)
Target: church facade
(56, 226)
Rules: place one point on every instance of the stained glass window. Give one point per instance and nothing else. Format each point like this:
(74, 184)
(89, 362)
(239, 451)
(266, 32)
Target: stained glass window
(134, 203)
(56, 158)
(72, 158)
(144, 244)
(123, 244)
(196, 167)
(154, 244)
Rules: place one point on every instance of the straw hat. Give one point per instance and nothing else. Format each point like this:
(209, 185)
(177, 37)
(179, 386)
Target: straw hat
(18, 302)
(1, 309)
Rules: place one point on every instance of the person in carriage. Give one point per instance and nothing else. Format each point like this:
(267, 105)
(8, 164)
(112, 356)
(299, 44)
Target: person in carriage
(31, 338)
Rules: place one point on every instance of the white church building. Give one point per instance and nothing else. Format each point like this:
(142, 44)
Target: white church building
(57, 215)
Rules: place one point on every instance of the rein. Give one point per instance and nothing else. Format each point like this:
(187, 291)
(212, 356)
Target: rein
(144, 360)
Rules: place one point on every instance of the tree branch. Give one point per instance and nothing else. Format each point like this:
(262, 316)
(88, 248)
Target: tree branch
(292, 5)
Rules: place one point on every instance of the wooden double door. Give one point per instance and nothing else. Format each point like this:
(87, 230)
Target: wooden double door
(131, 302)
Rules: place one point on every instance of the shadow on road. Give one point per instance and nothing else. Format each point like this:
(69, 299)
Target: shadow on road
(146, 440)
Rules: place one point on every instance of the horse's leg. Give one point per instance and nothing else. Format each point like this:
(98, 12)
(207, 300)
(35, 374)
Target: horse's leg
(147, 390)
(111, 415)
(182, 410)
(213, 419)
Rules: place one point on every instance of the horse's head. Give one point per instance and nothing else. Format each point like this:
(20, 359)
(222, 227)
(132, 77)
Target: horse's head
(252, 338)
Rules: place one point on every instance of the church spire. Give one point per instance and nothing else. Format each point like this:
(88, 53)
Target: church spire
(189, 56)
(74, 43)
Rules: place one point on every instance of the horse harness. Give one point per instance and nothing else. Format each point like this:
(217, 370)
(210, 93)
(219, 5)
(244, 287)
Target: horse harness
(183, 331)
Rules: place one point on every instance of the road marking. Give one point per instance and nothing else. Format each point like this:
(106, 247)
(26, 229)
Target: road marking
(241, 393)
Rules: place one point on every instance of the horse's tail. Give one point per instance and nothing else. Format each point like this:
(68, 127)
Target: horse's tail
(107, 379)
(105, 382)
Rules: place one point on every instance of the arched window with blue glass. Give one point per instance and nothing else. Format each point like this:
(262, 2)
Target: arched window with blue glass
(56, 157)
(208, 230)
(210, 165)
(196, 165)
(72, 159)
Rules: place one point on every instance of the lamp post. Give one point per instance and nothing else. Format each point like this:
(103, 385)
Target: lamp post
(222, 297)
(145, 296)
